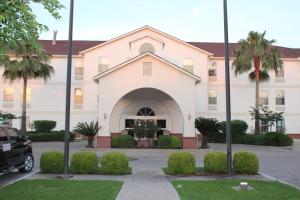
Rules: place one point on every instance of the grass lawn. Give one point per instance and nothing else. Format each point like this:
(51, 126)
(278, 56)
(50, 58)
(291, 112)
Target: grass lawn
(222, 189)
(61, 189)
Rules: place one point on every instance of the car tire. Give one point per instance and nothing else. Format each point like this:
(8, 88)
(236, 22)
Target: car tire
(28, 163)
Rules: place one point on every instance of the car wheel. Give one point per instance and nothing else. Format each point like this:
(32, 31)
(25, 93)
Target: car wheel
(28, 164)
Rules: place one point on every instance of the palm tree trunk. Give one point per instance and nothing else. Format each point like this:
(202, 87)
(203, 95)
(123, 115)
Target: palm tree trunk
(24, 102)
(256, 65)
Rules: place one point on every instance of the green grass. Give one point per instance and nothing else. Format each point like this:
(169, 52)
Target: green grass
(222, 189)
(61, 189)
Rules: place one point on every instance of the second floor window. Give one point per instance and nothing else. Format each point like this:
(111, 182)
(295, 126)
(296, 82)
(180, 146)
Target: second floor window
(79, 70)
(280, 99)
(188, 64)
(212, 97)
(280, 73)
(212, 72)
(264, 98)
(147, 68)
(103, 64)
(8, 95)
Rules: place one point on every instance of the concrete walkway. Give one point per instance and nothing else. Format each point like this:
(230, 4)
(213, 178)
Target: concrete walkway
(148, 182)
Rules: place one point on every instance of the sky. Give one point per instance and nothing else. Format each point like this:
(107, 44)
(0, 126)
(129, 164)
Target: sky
(189, 20)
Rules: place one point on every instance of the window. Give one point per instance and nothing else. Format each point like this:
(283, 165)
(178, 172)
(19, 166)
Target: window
(188, 65)
(264, 127)
(280, 125)
(147, 68)
(146, 47)
(79, 70)
(212, 72)
(12, 134)
(28, 97)
(264, 98)
(78, 98)
(8, 97)
(161, 123)
(129, 123)
(145, 112)
(280, 100)
(280, 74)
(212, 97)
(103, 64)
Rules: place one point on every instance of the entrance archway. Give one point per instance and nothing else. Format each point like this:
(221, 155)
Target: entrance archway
(150, 104)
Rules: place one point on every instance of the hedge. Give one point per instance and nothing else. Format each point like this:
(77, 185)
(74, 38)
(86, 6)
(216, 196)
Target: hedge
(123, 141)
(168, 142)
(52, 162)
(49, 137)
(245, 162)
(114, 163)
(183, 163)
(215, 162)
(44, 125)
(84, 163)
(268, 139)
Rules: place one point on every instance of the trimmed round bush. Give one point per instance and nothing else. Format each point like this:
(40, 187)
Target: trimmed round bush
(175, 143)
(123, 141)
(245, 162)
(52, 162)
(114, 163)
(215, 162)
(44, 125)
(85, 162)
(181, 163)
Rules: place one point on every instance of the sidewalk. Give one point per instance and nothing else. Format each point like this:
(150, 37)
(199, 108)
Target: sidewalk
(148, 183)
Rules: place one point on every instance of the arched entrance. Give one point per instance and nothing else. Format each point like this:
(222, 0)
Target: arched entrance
(146, 104)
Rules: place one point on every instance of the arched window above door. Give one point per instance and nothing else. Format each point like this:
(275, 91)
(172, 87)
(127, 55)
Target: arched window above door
(147, 47)
(145, 111)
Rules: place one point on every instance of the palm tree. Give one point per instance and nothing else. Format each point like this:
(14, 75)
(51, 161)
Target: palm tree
(258, 55)
(207, 127)
(29, 62)
(89, 130)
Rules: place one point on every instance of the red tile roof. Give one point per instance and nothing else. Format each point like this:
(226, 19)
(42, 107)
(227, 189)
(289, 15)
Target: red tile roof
(216, 48)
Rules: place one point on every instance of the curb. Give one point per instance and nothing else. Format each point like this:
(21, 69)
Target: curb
(281, 181)
(21, 178)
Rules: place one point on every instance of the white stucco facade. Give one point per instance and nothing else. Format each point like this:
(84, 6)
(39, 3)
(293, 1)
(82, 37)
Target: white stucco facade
(161, 79)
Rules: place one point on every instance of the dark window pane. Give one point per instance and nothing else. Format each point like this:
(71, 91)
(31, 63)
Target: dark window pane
(145, 112)
(129, 123)
(161, 123)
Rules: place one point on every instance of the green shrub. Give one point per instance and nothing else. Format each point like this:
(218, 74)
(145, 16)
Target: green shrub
(114, 163)
(84, 163)
(168, 142)
(44, 125)
(268, 139)
(49, 137)
(181, 163)
(238, 129)
(123, 141)
(215, 162)
(245, 162)
(52, 162)
(175, 143)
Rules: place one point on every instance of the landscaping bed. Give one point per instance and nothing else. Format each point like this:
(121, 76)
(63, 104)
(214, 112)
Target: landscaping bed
(61, 189)
(222, 189)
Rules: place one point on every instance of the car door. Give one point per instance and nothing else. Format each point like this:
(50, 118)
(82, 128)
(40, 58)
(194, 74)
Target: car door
(17, 147)
(5, 152)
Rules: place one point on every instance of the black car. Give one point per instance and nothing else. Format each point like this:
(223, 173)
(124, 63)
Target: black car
(15, 151)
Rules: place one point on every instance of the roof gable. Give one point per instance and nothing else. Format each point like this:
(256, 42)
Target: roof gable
(144, 28)
(98, 76)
